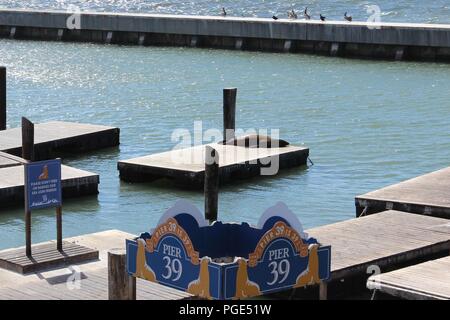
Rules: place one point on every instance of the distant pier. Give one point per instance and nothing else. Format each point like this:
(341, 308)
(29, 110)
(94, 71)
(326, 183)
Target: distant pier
(409, 41)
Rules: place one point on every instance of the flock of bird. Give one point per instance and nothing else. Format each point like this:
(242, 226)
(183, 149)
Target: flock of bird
(293, 15)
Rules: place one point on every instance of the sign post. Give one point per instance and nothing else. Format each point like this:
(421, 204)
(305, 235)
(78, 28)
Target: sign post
(43, 190)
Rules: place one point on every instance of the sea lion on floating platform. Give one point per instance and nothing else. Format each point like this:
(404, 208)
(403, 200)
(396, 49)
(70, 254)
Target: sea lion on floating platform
(256, 141)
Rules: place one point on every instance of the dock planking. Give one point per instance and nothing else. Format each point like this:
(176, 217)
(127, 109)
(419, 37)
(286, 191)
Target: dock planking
(58, 284)
(428, 194)
(56, 137)
(187, 166)
(75, 182)
(425, 281)
(385, 240)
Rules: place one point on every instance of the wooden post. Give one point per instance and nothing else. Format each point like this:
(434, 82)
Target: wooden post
(323, 291)
(59, 228)
(121, 286)
(229, 113)
(2, 98)
(211, 186)
(27, 154)
(27, 139)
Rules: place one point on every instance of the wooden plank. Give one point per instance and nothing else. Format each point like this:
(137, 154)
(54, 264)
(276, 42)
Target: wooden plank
(426, 281)
(75, 182)
(385, 239)
(93, 280)
(428, 194)
(187, 166)
(93, 287)
(56, 137)
(45, 256)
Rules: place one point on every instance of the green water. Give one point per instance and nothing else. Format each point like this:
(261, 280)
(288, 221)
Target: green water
(368, 124)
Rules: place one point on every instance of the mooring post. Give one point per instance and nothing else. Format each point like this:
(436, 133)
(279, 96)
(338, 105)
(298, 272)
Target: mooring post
(229, 113)
(121, 286)
(27, 154)
(211, 186)
(2, 98)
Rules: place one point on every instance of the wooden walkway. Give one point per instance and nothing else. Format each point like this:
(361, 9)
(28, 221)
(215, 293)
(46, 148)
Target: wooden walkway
(55, 137)
(186, 166)
(428, 194)
(93, 277)
(426, 281)
(75, 182)
(385, 240)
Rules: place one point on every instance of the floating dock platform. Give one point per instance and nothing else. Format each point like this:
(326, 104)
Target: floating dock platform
(428, 194)
(75, 183)
(384, 242)
(426, 281)
(57, 137)
(412, 41)
(187, 166)
(82, 281)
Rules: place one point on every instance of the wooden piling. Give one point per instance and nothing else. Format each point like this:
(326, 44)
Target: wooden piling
(229, 113)
(2, 98)
(27, 139)
(211, 186)
(121, 286)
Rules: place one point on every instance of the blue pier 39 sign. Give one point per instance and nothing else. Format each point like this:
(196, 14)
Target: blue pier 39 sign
(228, 260)
(43, 184)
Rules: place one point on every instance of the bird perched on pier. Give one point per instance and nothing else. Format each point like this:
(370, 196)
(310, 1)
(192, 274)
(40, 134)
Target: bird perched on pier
(223, 13)
(306, 15)
(348, 18)
(292, 14)
(322, 17)
(274, 17)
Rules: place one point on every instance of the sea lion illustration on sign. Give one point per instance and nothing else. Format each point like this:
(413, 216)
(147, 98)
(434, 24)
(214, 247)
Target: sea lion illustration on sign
(244, 287)
(200, 287)
(44, 174)
(311, 274)
(142, 269)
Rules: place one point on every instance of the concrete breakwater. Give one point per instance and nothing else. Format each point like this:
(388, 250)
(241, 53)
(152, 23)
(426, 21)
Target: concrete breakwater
(360, 39)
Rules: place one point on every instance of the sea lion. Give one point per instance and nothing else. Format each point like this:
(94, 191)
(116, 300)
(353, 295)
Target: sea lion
(244, 287)
(311, 274)
(143, 271)
(44, 174)
(256, 141)
(200, 287)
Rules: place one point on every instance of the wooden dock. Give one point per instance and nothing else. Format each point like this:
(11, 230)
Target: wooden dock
(428, 194)
(45, 256)
(426, 281)
(92, 283)
(75, 182)
(187, 166)
(386, 240)
(56, 137)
